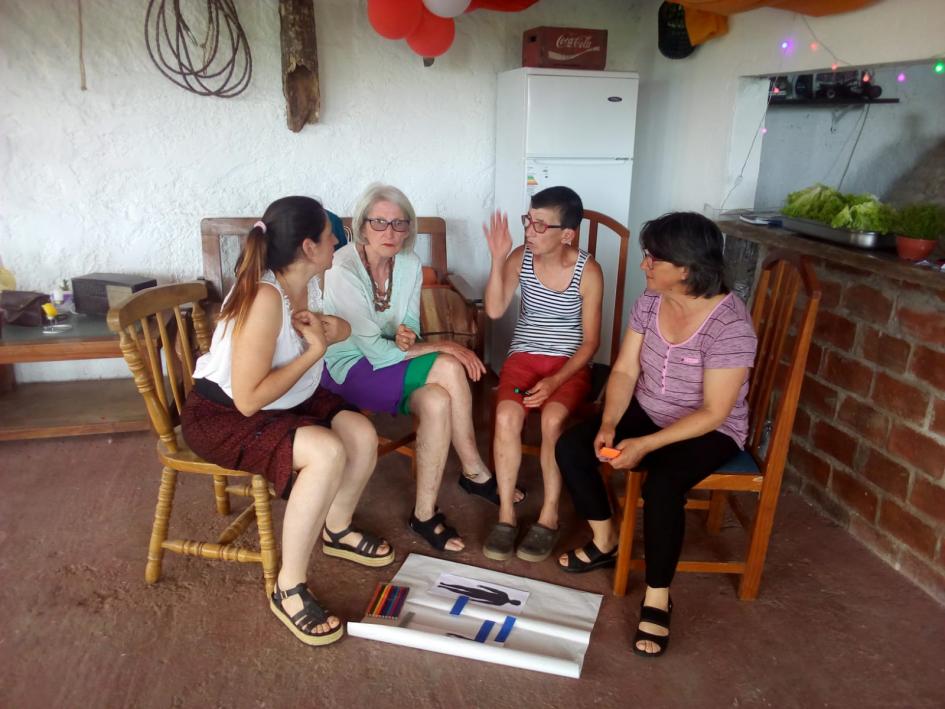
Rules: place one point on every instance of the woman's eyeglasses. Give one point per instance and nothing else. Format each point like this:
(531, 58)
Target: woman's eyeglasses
(650, 258)
(379, 224)
(539, 227)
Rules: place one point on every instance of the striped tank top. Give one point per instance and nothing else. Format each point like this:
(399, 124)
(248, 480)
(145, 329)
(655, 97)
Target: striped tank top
(549, 321)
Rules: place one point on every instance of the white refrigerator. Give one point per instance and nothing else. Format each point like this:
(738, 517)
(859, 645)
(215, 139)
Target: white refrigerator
(572, 128)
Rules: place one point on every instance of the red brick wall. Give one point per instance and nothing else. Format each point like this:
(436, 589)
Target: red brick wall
(869, 440)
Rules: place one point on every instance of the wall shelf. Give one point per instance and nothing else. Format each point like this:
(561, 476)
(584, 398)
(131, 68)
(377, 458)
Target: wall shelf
(829, 102)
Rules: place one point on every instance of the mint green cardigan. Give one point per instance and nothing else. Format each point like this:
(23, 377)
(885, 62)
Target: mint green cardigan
(350, 295)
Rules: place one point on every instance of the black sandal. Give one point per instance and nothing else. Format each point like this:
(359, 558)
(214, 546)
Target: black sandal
(656, 616)
(303, 623)
(427, 530)
(598, 559)
(489, 490)
(365, 553)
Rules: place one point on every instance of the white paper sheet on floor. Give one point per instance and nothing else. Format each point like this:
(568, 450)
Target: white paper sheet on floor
(550, 634)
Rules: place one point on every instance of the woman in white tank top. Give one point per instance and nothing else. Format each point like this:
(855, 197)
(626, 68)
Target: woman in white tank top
(256, 405)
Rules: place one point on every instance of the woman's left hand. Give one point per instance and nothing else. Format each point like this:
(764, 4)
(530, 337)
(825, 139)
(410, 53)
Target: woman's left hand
(405, 337)
(632, 451)
(471, 363)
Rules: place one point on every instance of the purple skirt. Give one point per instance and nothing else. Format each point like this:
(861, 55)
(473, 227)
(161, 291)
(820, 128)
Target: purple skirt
(372, 389)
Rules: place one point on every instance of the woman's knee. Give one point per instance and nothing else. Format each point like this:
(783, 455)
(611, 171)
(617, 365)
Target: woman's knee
(431, 400)
(320, 449)
(357, 428)
(509, 418)
(660, 488)
(448, 371)
(576, 446)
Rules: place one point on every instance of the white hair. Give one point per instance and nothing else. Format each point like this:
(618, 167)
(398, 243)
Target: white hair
(377, 192)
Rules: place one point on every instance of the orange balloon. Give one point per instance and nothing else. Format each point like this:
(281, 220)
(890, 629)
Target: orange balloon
(395, 19)
(434, 35)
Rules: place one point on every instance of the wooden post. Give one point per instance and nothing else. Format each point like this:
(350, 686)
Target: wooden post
(299, 63)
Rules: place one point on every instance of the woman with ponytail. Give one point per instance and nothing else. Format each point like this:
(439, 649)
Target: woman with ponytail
(257, 406)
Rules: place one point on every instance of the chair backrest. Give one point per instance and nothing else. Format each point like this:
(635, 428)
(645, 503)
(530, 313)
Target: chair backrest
(614, 280)
(160, 343)
(222, 240)
(786, 301)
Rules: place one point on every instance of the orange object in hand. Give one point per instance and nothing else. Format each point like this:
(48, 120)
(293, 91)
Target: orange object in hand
(609, 452)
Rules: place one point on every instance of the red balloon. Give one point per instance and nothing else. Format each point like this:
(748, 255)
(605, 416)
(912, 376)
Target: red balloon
(434, 35)
(395, 19)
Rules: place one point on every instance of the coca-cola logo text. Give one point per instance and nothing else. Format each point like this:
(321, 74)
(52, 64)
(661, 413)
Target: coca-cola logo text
(573, 41)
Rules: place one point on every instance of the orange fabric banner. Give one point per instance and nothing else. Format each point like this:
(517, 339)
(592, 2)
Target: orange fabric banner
(706, 19)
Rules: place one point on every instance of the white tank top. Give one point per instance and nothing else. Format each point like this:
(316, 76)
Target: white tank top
(217, 364)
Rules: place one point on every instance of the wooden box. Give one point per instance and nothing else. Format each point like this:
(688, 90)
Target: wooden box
(564, 48)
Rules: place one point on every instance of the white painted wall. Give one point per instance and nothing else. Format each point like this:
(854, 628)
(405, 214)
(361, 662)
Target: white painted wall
(814, 144)
(698, 116)
(117, 178)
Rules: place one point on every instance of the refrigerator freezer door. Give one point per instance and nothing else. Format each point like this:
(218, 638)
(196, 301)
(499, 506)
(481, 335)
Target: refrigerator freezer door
(580, 116)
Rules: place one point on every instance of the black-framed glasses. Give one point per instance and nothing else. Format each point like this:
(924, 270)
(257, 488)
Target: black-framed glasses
(380, 224)
(539, 227)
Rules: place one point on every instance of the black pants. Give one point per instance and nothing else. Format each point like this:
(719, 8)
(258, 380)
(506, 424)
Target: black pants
(672, 471)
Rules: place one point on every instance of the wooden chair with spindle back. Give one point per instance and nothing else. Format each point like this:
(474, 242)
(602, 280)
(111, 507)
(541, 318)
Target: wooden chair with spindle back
(160, 342)
(786, 301)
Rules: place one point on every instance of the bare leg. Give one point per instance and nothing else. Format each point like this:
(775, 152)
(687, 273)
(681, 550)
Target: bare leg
(431, 404)
(448, 373)
(319, 456)
(507, 447)
(553, 416)
(359, 438)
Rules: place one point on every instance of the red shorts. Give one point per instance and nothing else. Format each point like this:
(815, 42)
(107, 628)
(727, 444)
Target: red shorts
(522, 370)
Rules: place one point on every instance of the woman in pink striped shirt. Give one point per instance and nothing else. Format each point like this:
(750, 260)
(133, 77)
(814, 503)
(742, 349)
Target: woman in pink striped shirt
(675, 403)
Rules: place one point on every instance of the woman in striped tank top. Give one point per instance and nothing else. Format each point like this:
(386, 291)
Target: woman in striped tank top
(676, 401)
(557, 334)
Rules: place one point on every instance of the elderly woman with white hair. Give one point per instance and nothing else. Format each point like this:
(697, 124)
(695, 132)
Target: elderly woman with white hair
(374, 284)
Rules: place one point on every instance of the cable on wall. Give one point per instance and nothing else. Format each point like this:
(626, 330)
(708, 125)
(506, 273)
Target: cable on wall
(220, 65)
(81, 49)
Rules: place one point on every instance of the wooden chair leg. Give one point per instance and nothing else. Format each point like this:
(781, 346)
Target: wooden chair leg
(627, 526)
(219, 492)
(267, 541)
(713, 520)
(758, 546)
(162, 514)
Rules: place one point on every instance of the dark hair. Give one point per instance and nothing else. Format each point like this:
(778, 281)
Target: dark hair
(286, 224)
(565, 200)
(692, 241)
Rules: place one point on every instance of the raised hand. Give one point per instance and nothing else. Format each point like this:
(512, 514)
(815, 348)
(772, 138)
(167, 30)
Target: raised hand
(405, 337)
(498, 236)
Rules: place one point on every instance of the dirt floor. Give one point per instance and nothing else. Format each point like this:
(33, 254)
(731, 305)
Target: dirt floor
(834, 626)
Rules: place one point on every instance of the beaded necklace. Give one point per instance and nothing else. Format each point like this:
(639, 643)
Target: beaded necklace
(381, 297)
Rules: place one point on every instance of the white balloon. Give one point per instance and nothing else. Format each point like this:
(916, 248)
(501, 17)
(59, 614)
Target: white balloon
(447, 8)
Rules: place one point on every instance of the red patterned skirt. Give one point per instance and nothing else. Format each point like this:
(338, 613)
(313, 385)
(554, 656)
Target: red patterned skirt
(261, 443)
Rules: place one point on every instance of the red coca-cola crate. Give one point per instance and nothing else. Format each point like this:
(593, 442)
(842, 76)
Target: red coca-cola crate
(564, 48)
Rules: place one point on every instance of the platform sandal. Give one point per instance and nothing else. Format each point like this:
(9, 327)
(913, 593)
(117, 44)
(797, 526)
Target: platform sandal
(427, 530)
(364, 553)
(303, 623)
(598, 559)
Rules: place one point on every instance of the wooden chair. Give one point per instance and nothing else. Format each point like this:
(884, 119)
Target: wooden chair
(449, 308)
(612, 311)
(785, 307)
(159, 342)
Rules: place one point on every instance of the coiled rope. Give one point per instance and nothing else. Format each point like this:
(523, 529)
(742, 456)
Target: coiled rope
(221, 65)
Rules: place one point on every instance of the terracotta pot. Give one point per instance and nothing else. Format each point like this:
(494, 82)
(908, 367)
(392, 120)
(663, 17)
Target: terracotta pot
(914, 249)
